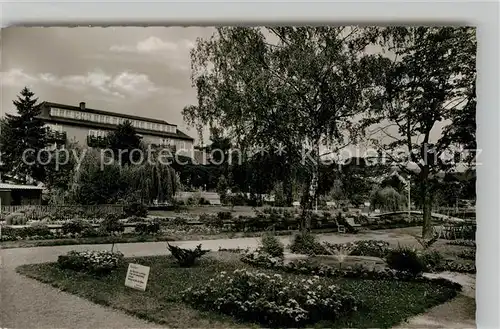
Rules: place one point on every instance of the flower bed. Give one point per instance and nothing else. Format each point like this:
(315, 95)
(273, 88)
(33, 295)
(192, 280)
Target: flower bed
(270, 299)
(373, 248)
(309, 267)
(91, 261)
(452, 266)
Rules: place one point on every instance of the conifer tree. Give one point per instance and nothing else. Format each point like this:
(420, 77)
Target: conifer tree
(22, 137)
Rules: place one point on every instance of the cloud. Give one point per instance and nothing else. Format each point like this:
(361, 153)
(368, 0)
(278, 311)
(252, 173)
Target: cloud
(124, 84)
(16, 78)
(153, 45)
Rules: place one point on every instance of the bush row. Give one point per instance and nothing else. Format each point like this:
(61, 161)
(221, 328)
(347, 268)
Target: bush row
(111, 225)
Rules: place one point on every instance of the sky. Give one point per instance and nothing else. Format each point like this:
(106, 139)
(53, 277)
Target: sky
(143, 71)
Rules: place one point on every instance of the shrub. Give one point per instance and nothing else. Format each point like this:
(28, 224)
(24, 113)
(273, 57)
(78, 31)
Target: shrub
(431, 259)
(75, 226)
(224, 215)
(406, 260)
(16, 219)
(186, 257)
(135, 209)
(90, 232)
(112, 225)
(40, 230)
(262, 259)
(211, 221)
(272, 245)
(306, 243)
(91, 261)
(270, 299)
(149, 227)
(179, 221)
(468, 254)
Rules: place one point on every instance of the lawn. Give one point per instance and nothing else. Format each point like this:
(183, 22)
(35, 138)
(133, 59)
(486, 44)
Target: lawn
(385, 303)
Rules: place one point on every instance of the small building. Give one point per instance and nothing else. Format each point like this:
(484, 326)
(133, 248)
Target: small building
(14, 195)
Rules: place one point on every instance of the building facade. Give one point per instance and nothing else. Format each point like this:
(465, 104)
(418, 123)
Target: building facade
(88, 127)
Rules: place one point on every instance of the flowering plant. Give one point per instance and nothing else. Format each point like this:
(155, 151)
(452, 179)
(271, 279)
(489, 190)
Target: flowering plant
(92, 261)
(374, 248)
(271, 299)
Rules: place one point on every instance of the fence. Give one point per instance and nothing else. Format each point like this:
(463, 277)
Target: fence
(61, 211)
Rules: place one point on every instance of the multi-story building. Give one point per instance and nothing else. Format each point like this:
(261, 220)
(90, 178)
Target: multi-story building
(89, 127)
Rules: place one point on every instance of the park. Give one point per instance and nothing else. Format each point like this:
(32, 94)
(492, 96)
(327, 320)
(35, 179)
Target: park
(322, 197)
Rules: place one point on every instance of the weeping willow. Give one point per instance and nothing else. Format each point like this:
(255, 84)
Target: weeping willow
(95, 183)
(151, 181)
(388, 199)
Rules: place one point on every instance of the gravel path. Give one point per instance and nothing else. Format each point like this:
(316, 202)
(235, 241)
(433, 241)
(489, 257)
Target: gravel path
(26, 303)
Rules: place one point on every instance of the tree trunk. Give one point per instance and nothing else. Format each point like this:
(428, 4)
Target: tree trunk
(306, 205)
(426, 204)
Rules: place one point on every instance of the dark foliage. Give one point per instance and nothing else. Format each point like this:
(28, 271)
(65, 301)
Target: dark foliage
(405, 260)
(186, 257)
(135, 209)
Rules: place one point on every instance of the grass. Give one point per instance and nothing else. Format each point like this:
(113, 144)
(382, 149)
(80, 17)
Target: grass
(385, 303)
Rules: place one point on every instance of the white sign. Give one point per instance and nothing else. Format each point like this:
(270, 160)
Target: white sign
(137, 276)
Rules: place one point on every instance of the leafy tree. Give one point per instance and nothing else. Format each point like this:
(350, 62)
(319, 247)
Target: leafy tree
(430, 79)
(290, 86)
(59, 171)
(123, 141)
(93, 184)
(20, 133)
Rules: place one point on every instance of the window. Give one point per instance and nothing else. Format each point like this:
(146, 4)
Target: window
(115, 120)
(148, 125)
(54, 112)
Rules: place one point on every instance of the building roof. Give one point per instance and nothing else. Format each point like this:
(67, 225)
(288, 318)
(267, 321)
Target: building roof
(7, 186)
(89, 110)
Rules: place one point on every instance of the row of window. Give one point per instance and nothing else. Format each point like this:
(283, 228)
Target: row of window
(162, 141)
(80, 115)
(103, 133)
